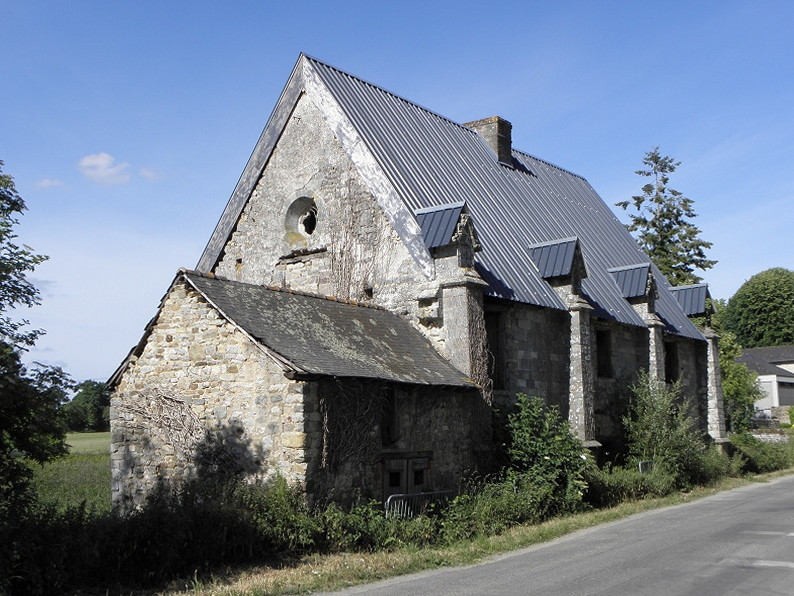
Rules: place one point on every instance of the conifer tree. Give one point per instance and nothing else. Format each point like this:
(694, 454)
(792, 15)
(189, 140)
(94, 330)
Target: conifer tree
(662, 223)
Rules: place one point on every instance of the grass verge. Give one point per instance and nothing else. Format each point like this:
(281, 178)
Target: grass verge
(332, 572)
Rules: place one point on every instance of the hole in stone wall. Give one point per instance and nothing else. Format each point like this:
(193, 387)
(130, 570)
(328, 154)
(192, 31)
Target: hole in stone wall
(301, 219)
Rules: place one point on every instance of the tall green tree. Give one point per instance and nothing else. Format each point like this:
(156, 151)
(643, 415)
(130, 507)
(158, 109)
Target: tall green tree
(30, 424)
(761, 312)
(662, 223)
(15, 263)
(89, 408)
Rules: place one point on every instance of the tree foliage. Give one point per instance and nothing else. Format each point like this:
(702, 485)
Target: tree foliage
(15, 262)
(761, 312)
(740, 389)
(89, 408)
(31, 429)
(662, 223)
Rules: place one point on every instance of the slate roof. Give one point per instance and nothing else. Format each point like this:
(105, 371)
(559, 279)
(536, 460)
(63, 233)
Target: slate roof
(692, 298)
(764, 360)
(554, 259)
(438, 223)
(632, 280)
(330, 338)
(431, 161)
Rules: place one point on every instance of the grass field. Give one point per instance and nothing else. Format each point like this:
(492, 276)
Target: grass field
(82, 475)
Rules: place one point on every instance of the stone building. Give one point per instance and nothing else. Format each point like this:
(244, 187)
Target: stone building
(379, 280)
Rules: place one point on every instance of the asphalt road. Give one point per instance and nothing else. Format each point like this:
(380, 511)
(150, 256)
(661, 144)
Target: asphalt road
(735, 542)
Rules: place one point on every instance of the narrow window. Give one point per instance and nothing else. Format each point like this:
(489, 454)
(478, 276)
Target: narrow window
(672, 369)
(419, 477)
(604, 353)
(493, 325)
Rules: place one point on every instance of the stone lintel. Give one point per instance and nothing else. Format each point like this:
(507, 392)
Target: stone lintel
(467, 279)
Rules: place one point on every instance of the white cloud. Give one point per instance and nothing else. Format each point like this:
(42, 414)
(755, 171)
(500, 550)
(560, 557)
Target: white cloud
(49, 183)
(149, 173)
(104, 169)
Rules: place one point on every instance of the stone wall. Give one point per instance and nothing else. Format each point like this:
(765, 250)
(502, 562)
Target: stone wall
(352, 252)
(363, 425)
(535, 351)
(197, 374)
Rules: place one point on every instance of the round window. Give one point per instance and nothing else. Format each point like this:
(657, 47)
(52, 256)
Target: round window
(302, 217)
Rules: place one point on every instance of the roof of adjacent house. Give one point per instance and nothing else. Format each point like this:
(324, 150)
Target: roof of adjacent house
(416, 160)
(765, 360)
(321, 336)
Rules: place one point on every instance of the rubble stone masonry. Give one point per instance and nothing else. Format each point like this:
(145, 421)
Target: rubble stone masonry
(201, 390)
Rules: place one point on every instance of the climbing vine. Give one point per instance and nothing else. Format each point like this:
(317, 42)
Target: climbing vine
(167, 419)
(358, 245)
(348, 409)
(478, 348)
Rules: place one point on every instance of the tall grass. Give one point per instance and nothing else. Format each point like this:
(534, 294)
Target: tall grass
(82, 476)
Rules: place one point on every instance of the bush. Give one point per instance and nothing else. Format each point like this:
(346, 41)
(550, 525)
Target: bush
(497, 505)
(660, 428)
(761, 457)
(543, 448)
(611, 486)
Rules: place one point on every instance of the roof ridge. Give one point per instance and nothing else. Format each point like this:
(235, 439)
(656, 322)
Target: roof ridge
(548, 163)
(286, 290)
(431, 112)
(384, 90)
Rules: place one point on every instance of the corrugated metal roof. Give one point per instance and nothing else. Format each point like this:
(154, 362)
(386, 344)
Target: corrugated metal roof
(692, 298)
(427, 156)
(430, 161)
(554, 259)
(327, 337)
(439, 223)
(632, 280)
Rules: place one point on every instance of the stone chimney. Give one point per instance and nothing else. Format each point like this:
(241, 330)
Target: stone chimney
(497, 132)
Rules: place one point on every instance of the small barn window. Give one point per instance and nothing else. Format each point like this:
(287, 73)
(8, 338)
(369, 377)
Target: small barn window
(395, 479)
(604, 353)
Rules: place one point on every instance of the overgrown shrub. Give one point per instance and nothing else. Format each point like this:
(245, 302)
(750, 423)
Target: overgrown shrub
(543, 448)
(611, 486)
(496, 505)
(760, 456)
(660, 428)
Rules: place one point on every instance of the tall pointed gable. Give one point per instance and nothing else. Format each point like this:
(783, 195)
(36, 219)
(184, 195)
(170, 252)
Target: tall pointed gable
(413, 159)
(305, 80)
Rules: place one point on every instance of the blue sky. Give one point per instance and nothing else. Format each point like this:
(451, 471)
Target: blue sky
(126, 125)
